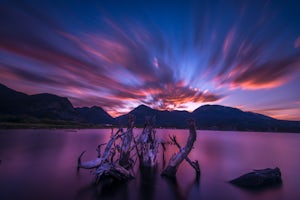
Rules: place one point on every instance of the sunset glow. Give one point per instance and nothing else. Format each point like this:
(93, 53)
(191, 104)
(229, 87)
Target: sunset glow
(167, 55)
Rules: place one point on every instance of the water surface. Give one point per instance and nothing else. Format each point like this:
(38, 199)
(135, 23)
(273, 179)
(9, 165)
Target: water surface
(41, 164)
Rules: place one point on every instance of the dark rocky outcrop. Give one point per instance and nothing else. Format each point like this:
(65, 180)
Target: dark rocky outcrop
(259, 179)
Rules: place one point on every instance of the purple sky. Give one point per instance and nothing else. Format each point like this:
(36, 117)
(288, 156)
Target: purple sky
(165, 54)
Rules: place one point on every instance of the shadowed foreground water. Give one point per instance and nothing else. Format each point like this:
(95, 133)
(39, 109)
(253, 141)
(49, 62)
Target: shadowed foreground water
(41, 164)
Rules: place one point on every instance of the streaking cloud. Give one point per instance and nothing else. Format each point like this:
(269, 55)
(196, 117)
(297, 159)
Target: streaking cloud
(118, 57)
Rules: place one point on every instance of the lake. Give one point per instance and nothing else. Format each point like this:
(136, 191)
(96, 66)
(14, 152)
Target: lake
(41, 164)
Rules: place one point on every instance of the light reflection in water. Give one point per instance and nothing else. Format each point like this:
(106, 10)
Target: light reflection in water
(41, 164)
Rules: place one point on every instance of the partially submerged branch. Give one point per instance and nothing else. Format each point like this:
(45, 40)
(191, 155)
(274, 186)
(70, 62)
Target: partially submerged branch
(99, 160)
(88, 164)
(92, 163)
(147, 144)
(117, 161)
(114, 171)
(127, 138)
(194, 164)
(176, 159)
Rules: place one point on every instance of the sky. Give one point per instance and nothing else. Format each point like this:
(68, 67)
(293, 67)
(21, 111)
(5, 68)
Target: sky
(169, 55)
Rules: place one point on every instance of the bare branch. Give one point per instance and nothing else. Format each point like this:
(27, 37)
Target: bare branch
(176, 160)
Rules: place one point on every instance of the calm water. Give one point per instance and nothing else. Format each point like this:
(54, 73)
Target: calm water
(41, 164)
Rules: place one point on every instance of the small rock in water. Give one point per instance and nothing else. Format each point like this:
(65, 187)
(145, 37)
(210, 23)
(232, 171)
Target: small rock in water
(259, 178)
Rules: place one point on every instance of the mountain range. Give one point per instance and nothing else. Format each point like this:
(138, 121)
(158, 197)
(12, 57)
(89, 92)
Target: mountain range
(17, 107)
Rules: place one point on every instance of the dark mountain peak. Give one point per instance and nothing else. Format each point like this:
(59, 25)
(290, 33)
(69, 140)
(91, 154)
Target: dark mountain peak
(95, 114)
(41, 106)
(46, 97)
(51, 101)
(143, 110)
(140, 113)
(180, 111)
(215, 107)
(228, 112)
(10, 94)
(142, 107)
(97, 108)
(216, 117)
(3, 86)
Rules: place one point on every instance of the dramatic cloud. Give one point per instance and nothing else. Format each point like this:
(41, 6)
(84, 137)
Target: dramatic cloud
(251, 63)
(120, 58)
(268, 75)
(108, 68)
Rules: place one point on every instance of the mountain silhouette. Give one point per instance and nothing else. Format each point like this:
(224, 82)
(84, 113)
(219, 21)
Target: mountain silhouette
(163, 118)
(95, 115)
(209, 117)
(40, 105)
(20, 106)
(228, 118)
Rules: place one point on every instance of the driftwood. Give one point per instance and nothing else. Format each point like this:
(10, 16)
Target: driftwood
(147, 145)
(259, 178)
(114, 171)
(109, 152)
(100, 159)
(194, 164)
(117, 160)
(176, 159)
(127, 138)
(90, 164)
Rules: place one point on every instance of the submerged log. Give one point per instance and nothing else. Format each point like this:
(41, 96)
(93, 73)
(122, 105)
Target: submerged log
(113, 171)
(92, 163)
(126, 139)
(88, 164)
(259, 178)
(100, 159)
(117, 161)
(147, 145)
(107, 151)
(194, 164)
(176, 159)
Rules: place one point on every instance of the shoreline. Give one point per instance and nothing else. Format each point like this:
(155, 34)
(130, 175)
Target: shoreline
(33, 126)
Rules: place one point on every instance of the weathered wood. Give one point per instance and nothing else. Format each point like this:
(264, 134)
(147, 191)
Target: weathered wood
(126, 140)
(92, 163)
(97, 162)
(147, 145)
(176, 159)
(107, 152)
(194, 164)
(114, 171)
(98, 149)
(117, 161)
(88, 164)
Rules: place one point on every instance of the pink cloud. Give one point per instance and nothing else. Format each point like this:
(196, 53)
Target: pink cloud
(228, 41)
